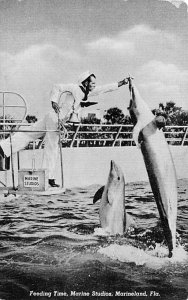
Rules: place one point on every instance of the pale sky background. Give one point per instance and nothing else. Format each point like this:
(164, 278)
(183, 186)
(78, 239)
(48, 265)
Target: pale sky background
(43, 42)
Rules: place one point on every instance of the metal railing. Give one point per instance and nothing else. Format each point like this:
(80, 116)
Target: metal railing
(97, 135)
(81, 135)
(100, 135)
(17, 101)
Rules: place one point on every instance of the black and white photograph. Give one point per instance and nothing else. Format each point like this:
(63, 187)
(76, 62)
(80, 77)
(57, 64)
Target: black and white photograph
(94, 149)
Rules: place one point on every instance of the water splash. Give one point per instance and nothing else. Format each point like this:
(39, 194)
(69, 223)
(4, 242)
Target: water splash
(8, 197)
(101, 232)
(156, 258)
(179, 253)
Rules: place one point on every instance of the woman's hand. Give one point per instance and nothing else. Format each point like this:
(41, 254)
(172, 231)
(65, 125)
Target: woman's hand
(56, 107)
(123, 82)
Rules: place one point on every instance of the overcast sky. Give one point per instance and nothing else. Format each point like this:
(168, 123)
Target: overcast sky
(52, 41)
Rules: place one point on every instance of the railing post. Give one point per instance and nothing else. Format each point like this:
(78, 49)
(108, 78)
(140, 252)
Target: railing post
(4, 126)
(115, 139)
(74, 136)
(184, 137)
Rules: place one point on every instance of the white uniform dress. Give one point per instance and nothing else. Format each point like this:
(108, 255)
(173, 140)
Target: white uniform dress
(68, 96)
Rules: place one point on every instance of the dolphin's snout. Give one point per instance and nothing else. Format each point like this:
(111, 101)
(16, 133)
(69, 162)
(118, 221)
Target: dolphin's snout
(115, 170)
(112, 164)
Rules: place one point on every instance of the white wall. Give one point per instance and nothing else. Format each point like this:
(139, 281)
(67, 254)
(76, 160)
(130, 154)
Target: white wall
(86, 166)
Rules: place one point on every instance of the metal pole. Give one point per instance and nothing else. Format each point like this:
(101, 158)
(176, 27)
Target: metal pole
(184, 137)
(18, 160)
(12, 164)
(116, 137)
(75, 134)
(4, 126)
(60, 150)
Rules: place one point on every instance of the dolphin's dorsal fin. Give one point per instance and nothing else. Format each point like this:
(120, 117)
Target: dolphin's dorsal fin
(98, 194)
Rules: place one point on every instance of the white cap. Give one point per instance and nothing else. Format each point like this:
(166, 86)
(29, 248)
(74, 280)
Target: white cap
(84, 76)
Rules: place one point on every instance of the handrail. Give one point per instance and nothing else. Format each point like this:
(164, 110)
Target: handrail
(184, 137)
(23, 105)
(100, 135)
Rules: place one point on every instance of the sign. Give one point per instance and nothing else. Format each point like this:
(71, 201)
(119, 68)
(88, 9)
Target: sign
(31, 180)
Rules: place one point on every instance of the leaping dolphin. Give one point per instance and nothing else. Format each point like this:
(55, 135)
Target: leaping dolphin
(112, 205)
(159, 164)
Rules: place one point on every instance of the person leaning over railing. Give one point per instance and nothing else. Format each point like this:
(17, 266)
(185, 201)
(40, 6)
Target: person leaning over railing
(64, 109)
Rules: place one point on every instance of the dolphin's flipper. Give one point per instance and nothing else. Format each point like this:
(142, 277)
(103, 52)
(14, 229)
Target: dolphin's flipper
(98, 194)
